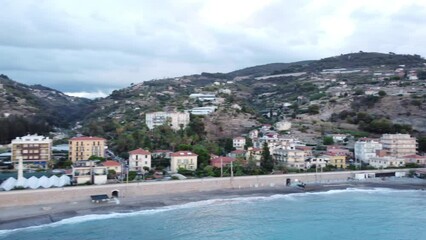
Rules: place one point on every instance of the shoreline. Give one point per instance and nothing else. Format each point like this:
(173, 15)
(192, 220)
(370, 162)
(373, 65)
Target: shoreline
(35, 215)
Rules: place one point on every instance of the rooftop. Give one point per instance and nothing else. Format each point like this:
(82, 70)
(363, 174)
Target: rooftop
(183, 153)
(140, 151)
(87, 138)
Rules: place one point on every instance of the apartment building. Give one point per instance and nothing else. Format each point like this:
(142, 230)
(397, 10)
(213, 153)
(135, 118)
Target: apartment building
(35, 151)
(82, 148)
(399, 145)
(176, 120)
(183, 159)
(366, 148)
(239, 143)
(138, 159)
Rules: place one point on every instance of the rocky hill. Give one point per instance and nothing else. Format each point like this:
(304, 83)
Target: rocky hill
(360, 93)
(36, 109)
(311, 94)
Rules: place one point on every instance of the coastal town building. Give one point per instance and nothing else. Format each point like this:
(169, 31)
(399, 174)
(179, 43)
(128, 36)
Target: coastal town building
(183, 160)
(254, 154)
(82, 148)
(253, 134)
(203, 110)
(318, 162)
(386, 162)
(239, 143)
(35, 151)
(87, 172)
(176, 120)
(366, 148)
(336, 159)
(416, 159)
(399, 145)
(138, 159)
(290, 157)
(240, 154)
(203, 96)
(112, 166)
(219, 161)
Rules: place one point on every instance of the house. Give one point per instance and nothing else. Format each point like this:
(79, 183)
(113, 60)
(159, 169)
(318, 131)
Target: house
(221, 161)
(338, 150)
(112, 165)
(183, 159)
(319, 162)
(87, 172)
(176, 120)
(386, 162)
(82, 148)
(35, 151)
(336, 159)
(416, 159)
(239, 143)
(138, 159)
(307, 150)
(254, 134)
(240, 154)
(254, 154)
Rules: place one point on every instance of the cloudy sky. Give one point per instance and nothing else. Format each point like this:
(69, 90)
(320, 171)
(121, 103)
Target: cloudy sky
(92, 47)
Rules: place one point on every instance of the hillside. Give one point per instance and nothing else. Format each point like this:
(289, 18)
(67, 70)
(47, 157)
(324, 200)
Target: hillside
(362, 93)
(36, 108)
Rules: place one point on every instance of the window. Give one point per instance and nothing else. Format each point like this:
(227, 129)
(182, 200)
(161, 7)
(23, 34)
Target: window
(146, 162)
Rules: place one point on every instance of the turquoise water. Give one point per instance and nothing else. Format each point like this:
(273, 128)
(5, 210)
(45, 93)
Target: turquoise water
(338, 214)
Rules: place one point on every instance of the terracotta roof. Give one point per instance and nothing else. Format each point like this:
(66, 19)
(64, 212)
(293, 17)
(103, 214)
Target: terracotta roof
(224, 160)
(111, 163)
(87, 138)
(303, 148)
(238, 152)
(140, 151)
(183, 154)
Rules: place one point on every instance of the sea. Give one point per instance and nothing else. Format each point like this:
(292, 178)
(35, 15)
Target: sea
(376, 214)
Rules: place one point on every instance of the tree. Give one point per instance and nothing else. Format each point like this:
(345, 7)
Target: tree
(382, 93)
(328, 140)
(203, 155)
(266, 162)
(422, 144)
(313, 109)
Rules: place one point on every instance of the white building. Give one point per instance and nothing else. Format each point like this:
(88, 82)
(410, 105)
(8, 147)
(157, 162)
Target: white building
(239, 143)
(385, 162)
(176, 120)
(203, 110)
(399, 145)
(203, 96)
(138, 159)
(290, 157)
(319, 162)
(84, 172)
(365, 148)
(36, 151)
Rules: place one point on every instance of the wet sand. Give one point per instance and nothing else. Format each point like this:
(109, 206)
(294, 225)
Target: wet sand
(25, 216)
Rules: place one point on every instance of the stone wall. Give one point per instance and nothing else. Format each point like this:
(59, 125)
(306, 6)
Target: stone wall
(82, 193)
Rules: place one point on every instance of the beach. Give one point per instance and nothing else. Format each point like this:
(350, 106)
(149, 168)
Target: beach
(32, 215)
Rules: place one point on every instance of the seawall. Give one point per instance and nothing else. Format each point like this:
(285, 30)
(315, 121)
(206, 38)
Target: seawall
(141, 189)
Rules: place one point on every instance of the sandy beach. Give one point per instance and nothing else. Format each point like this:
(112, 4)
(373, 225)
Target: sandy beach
(25, 216)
